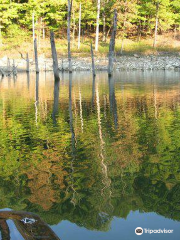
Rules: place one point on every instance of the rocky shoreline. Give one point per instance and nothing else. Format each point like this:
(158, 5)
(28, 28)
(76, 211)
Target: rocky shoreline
(84, 64)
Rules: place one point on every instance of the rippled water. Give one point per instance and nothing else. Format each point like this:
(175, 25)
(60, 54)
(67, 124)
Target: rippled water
(94, 158)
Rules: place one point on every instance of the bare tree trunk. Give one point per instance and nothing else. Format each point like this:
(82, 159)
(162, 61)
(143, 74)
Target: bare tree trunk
(36, 55)
(74, 26)
(93, 65)
(97, 24)
(104, 27)
(54, 56)
(79, 35)
(33, 27)
(27, 62)
(68, 34)
(28, 80)
(112, 44)
(156, 25)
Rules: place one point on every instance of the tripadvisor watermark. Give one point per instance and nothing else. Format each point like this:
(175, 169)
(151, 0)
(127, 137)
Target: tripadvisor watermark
(140, 231)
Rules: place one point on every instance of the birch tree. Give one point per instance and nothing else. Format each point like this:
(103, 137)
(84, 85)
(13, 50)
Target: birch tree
(79, 35)
(97, 24)
(69, 33)
(156, 25)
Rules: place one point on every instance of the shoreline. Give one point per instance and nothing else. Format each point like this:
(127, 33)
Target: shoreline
(135, 62)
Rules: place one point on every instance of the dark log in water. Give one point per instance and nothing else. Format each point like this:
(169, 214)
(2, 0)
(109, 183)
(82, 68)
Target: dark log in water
(30, 225)
(4, 228)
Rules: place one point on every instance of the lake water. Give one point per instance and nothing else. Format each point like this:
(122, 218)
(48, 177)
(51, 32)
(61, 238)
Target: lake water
(94, 158)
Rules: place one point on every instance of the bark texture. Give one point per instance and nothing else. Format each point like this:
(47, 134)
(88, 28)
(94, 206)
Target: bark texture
(112, 44)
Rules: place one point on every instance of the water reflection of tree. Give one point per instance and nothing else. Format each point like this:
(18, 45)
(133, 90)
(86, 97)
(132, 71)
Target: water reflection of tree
(141, 157)
(73, 145)
(37, 98)
(56, 100)
(105, 179)
(112, 100)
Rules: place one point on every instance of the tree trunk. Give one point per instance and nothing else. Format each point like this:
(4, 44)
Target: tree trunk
(104, 27)
(156, 25)
(28, 80)
(68, 34)
(112, 44)
(54, 56)
(33, 27)
(97, 25)
(93, 65)
(79, 35)
(36, 55)
(27, 62)
(74, 26)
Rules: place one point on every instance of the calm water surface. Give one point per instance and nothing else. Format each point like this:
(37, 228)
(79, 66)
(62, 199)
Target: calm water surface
(93, 158)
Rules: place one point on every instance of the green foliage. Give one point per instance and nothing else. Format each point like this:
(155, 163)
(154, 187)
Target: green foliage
(134, 17)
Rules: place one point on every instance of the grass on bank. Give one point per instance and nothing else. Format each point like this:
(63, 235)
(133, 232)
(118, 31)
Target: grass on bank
(13, 45)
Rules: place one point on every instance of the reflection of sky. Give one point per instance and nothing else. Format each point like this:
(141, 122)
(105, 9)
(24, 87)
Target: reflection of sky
(121, 229)
(15, 234)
